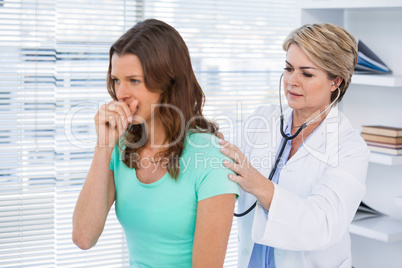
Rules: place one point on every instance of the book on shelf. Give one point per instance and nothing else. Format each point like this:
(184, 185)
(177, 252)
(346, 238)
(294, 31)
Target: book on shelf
(365, 212)
(383, 139)
(368, 62)
(383, 150)
(383, 131)
(384, 145)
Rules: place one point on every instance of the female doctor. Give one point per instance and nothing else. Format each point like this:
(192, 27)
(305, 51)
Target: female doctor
(304, 209)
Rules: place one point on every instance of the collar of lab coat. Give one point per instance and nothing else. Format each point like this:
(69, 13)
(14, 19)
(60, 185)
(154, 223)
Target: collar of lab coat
(316, 143)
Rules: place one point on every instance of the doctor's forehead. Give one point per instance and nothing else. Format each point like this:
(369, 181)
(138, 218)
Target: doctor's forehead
(297, 58)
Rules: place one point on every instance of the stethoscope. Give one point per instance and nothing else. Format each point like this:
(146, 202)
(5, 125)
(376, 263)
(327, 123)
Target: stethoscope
(287, 138)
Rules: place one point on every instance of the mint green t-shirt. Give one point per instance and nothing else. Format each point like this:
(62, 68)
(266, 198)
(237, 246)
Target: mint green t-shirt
(159, 218)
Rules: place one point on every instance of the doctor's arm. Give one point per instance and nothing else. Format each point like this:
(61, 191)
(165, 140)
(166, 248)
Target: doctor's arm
(322, 217)
(248, 178)
(213, 224)
(318, 220)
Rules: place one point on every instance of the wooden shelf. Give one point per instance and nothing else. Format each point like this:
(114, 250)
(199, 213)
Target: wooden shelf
(342, 4)
(381, 228)
(377, 80)
(385, 159)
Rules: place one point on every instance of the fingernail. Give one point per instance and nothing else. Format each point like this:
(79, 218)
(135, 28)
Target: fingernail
(226, 162)
(223, 150)
(221, 141)
(230, 176)
(130, 119)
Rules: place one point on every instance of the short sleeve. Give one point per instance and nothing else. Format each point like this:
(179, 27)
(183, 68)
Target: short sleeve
(113, 158)
(213, 179)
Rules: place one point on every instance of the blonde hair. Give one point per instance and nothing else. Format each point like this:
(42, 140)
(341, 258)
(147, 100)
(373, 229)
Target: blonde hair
(330, 47)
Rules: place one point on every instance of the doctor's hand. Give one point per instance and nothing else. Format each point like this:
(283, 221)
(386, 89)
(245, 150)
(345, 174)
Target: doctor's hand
(248, 178)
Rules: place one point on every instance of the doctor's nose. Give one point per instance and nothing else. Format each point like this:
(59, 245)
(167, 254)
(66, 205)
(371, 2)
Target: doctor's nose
(292, 79)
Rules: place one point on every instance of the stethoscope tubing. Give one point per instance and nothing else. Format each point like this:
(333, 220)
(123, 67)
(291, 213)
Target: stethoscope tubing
(285, 141)
(278, 158)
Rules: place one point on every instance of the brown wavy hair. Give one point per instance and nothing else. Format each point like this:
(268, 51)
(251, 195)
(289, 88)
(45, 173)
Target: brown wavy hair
(166, 64)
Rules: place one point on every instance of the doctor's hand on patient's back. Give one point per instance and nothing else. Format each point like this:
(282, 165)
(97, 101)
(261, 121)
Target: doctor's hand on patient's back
(248, 178)
(111, 121)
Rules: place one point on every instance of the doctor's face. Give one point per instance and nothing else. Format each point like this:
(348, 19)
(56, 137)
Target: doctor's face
(307, 87)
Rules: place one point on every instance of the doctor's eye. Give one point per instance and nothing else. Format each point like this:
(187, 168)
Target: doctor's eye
(115, 81)
(307, 74)
(287, 69)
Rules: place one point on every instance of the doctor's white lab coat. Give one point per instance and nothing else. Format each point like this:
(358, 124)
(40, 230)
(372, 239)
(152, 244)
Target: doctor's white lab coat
(319, 190)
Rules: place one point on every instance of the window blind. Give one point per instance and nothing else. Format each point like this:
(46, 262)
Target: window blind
(236, 50)
(53, 63)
